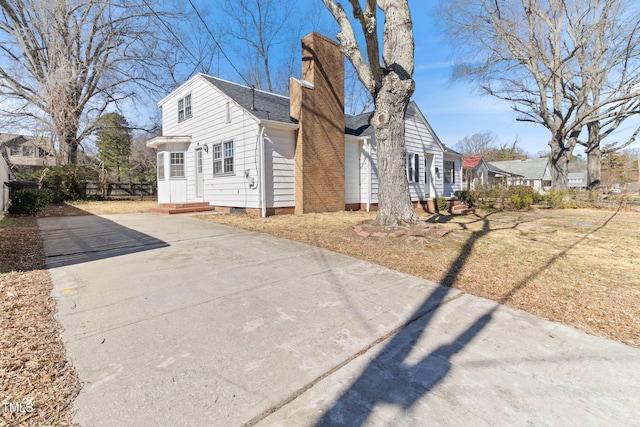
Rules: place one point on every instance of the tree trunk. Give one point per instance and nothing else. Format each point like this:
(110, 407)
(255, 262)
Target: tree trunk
(594, 162)
(71, 146)
(394, 199)
(560, 156)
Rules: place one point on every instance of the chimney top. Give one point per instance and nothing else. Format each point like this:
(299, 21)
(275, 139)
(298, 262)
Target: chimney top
(523, 157)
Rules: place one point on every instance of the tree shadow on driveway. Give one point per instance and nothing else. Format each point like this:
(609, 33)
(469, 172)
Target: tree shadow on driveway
(389, 378)
(77, 239)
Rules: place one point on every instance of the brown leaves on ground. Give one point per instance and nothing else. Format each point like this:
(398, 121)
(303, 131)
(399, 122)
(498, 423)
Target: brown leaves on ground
(37, 383)
(578, 267)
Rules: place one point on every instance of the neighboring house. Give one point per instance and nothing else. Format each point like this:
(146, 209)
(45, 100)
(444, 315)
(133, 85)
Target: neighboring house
(478, 172)
(232, 146)
(475, 172)
(27, 153)
(577, 180)
(499, 177)
(534, 173)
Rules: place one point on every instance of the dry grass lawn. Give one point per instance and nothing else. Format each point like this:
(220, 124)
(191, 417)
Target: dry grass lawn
(578, 267)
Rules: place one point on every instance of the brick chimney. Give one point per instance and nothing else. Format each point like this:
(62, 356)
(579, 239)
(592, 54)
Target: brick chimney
(317, 102)
(523, 157)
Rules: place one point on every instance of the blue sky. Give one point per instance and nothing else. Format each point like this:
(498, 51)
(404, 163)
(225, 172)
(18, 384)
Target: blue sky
(454, 110)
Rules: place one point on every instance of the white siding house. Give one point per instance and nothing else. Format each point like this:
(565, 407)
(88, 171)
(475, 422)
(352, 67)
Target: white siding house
(231, 146)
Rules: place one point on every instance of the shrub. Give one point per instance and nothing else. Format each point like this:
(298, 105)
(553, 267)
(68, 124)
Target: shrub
(521, 197)
(67, 182)
(441, 204)
(466, 197)
(30, 201)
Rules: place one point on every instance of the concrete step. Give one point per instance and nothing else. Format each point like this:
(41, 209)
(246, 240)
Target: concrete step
(179, 208)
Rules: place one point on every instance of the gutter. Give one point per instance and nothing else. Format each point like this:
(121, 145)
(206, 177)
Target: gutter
(261, 172)
(367, 144)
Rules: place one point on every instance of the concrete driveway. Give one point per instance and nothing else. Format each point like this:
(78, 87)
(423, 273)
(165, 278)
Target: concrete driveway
(175, 321)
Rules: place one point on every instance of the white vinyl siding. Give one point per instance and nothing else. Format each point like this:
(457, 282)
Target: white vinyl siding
(208, 127)
(453, 169)
(352, 173)
(419, 139)
(279, 154)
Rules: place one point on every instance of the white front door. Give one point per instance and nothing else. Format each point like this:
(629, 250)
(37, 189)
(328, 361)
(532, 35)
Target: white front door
(199, 174)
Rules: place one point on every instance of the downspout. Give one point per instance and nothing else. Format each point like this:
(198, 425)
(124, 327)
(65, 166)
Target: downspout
(262, 174)
(367, 143)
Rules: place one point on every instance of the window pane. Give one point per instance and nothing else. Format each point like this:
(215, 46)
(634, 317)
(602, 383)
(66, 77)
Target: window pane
(180, 109)
(217, 167)
(176, 165)
(228, 149)
(228, 165)
(160, 166)
(449, 172)
(187, 106)
(217, 152)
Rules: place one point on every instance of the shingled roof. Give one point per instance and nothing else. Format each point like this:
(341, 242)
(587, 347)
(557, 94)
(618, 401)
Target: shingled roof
(529, 168)
(471, 162)
(269, 106)
(263, 105)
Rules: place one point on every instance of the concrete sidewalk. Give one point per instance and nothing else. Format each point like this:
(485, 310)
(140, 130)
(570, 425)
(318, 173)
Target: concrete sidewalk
(176, 321)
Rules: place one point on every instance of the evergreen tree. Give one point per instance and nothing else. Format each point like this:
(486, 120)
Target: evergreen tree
(114, 143)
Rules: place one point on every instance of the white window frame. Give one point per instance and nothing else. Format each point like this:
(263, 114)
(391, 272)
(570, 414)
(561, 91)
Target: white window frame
(449, 172)
(223, 158)
(176, 164)
(184, 107)
(160, 165)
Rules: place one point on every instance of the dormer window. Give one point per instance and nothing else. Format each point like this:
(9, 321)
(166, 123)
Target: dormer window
(184, 108)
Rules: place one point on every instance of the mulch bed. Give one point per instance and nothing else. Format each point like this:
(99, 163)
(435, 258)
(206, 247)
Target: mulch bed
(37, 382)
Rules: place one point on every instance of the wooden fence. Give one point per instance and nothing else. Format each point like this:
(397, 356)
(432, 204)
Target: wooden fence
(120, 189)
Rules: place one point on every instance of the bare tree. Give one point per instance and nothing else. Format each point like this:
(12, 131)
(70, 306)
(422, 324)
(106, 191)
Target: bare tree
(479, 144)
(64, 63)
(608, 74)
(388, 77)
(523, 52)
(143, 159)
(261, 26)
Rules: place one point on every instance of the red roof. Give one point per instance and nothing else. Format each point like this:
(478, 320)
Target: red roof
(471, 162)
